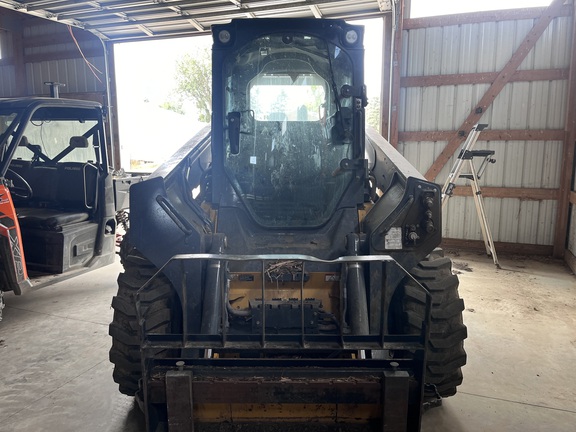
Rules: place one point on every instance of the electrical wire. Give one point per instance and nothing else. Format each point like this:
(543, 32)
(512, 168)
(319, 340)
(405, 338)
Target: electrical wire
(92, 68)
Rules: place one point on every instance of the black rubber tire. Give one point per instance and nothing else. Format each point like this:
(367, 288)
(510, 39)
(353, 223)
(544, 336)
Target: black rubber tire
(445, 355)
(157, 304)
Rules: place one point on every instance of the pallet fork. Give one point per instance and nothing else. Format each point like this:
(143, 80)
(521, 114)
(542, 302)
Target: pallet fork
(467, 155)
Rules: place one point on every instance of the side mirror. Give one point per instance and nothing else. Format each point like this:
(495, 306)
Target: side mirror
(234, 131)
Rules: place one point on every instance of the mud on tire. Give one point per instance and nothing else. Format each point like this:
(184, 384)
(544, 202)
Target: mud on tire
(157, 303)
(445, 354)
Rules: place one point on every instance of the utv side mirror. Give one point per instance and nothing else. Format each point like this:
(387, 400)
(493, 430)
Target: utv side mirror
(234, 131)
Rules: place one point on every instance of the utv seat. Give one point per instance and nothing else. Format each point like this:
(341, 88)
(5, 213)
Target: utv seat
(48, 219)
(59, 230)
(64, 193)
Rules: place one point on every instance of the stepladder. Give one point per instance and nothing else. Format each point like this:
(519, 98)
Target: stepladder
(466, 160)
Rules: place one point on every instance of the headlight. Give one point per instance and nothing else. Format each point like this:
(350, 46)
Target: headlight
(224, 36)
(351, 37)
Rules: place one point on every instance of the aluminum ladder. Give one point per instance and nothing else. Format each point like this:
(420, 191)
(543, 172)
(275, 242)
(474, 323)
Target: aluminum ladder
(467, 155)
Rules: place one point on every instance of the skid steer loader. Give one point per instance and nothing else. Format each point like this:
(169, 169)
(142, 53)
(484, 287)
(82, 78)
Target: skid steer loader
(280, 270)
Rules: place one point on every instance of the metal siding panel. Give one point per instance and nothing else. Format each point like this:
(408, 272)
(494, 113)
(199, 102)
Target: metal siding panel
(411, 151)
(538, 104)
(33, 72)
(518, 109)
(471, 223)
(83, 75)
(468, 54)
(462, 103)
(557, 104)
(493, 207)
(504, 48)
(416, 53)
(528, 221)
(446, 108)
(451, 39)
(72, 76)
(546, 223)
(544, 48)
(551, 162)
(532, 172)
(454, 223)
(495, 172)
(488, 36)
(509, 219)
(413, 119)
(561, 42)
(433, 51)
(430, 108)
(498, 116)
(8, 81)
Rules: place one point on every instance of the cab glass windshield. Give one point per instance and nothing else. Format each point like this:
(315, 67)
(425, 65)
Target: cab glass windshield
(294, 128)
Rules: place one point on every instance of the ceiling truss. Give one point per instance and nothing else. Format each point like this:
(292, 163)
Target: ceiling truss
(119, 20)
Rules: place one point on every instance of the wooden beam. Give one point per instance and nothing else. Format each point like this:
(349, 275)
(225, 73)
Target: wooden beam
(487, 135)
(501, 80)
(567, 170)
(395, 79)
(502, 248)
(525, 194)
(573, 198)
(480, 17)
(483, 78)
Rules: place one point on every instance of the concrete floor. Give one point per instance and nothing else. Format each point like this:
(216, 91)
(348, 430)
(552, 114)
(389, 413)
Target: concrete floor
(55, 374)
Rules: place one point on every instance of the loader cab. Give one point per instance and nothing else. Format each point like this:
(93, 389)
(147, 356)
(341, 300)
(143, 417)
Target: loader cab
(288, 121)
(53, 163)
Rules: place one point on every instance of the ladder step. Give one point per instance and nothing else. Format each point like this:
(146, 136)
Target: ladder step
(467, 176)
(482, 153)
(470, 154)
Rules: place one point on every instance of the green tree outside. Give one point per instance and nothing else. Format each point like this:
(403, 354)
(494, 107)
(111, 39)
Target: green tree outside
(193, 83)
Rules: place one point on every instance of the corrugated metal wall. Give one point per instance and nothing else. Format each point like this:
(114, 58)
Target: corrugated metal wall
(7, 70)
(36, 51)
(481, 48)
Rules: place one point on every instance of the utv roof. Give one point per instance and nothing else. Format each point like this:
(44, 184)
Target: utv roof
(32, 102)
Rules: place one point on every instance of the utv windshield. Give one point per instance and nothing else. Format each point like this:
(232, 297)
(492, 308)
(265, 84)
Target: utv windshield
(294, 128)
(49, 132)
